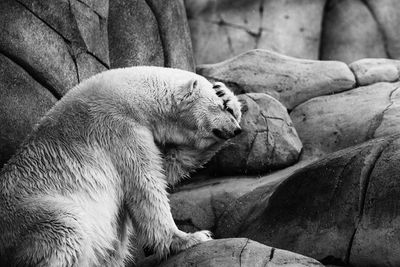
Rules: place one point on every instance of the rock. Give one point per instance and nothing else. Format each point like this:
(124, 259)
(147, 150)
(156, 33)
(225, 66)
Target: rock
(51, 45)
(223, 29)
(350, 32)
(328, 123)
(133, 35)
(342, 208)
(53, 39)
(83, 24)
(371, 70)
(23, 37)
(375, 240)
(268, 140)
(233, 252)
(22, 102)
(387, 14)
(92, 29)
(174, 31)
(200, 204)
(149, 33)
(292, 81)
(88, 66)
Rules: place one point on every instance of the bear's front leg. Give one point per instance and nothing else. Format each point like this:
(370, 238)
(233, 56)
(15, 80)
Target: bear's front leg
(147, 201)
(151, 216)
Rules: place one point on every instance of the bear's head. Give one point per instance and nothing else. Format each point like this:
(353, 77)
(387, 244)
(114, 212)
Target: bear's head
(211, 112)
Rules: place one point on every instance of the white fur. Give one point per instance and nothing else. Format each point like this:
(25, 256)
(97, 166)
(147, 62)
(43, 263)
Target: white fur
(99, 162)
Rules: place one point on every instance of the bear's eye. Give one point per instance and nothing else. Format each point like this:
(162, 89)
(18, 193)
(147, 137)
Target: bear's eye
(230, 111)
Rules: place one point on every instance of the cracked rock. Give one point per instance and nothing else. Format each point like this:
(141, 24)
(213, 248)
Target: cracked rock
(268, 140)
(290, 80)
(387, 15)
(47, 46)
(350, 32)
(36, 47)
(235, 252)
(200, 204)
(317, 210)
(148, 32)
(328, 123)
(373, 70)
(376, 241)
(223, 29)
(22, 102)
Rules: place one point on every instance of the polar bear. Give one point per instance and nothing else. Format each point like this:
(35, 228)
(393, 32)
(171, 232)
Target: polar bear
(96, 167)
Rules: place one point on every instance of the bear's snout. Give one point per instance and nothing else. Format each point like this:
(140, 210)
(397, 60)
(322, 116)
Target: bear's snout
(226, 134)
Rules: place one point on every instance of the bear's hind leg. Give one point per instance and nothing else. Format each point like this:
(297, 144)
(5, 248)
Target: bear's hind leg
(50, 241)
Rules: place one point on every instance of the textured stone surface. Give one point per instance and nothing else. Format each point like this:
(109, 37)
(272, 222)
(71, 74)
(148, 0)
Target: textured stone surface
(133, 35)
(223, 29)
(174, 32)
(350, 32)
(376, 241)
(328, 123)
(149, 33)
(290, 80)
(22, 102)
(387, 15)
(23, 37)
(268, 141)
(202, 204)
(372, 70)
(234, 253)
(51, 45)
(342, 208)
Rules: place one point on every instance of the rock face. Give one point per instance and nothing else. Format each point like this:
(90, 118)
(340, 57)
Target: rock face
(268, 141)
(344, 30)
(47, 47)
(387, 14)
(22, 102)
(55, 44)
(328, 123)
(372, 70)
(149, 33)
(292, 81)
(223, 29)
(350, 32)
(201, 204)
(233, 252)
(342, 208)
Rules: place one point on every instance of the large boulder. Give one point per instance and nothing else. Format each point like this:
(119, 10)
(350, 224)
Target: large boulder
(268, 140)
(149, 33)
(350, 32)
(223, 29)
(290, 80)
(343, 208)
(22, 102)
(387, 15)
(133, 35)
(328, 123)
(47, 46)
(199, 205)
(237, 252)
(48, 37)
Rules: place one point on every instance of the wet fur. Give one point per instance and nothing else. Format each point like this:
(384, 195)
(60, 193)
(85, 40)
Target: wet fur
(97, 166)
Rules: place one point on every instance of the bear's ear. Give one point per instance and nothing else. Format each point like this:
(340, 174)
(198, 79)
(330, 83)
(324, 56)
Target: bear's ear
(186, 90)
(188, 87)
(191, 85)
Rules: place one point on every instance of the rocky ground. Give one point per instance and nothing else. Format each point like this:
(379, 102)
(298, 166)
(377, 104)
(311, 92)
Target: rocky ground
(314, 171)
